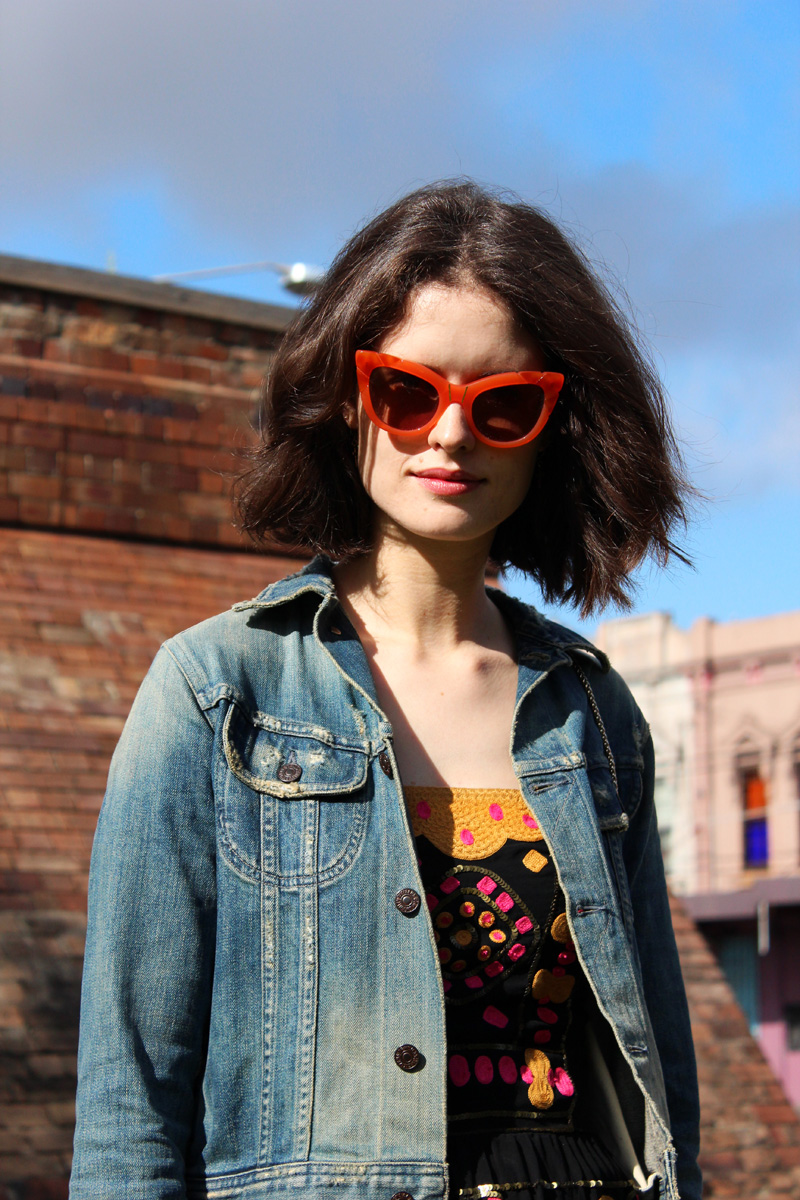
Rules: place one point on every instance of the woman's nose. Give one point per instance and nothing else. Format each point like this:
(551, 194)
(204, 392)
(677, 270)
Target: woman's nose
(451, 431)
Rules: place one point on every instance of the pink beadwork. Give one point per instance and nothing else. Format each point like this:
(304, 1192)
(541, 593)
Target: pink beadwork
(493, 969)
(524, 924)
(508, 1069)
(516, 951)
(458, 1070)
(542, 1036)
(474, 981)
(504, 901)
(450, 884)
(423, 810)
(529, 821)
(566, 956)
(431, 900)
(546, 1014)
(466, 837)
(486, 885)
(495, 812)
(497, 935)
(558, 972)
(484, 1071)
(525, 1075)
(560, 1080)
(493, 1016)
(486, 920)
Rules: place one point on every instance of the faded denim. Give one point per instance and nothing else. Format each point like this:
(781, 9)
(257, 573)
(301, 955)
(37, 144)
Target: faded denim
(248, 976)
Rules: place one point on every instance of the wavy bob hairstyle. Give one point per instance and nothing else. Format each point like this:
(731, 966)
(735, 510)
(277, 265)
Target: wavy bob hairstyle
(609, 485)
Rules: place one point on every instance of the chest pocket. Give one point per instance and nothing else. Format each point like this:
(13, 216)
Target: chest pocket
(293, 799)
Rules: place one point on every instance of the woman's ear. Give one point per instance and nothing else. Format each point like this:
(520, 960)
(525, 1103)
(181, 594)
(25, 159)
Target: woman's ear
(350, 414)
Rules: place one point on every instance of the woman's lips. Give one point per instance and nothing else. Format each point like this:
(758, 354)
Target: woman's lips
(447, 483)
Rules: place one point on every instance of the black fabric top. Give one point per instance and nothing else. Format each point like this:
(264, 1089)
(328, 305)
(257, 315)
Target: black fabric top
(515, 997)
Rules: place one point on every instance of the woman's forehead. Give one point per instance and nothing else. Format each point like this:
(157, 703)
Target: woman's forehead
(461, 329)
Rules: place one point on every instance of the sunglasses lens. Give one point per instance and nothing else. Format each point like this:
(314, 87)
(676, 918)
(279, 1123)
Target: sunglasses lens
(400, 400)
(506, 414)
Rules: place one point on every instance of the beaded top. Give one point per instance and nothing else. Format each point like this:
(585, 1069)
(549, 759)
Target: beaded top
(508, 962)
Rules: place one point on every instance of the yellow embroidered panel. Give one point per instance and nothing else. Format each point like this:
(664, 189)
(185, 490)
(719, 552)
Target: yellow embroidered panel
(472, 823)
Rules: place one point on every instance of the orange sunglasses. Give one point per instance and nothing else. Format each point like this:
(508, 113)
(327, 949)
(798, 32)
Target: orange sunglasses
(407, 399)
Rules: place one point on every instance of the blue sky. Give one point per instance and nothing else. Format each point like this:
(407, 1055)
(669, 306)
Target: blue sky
(181, 134)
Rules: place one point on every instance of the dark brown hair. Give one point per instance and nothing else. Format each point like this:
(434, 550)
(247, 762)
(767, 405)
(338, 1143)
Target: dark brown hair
(608, 486)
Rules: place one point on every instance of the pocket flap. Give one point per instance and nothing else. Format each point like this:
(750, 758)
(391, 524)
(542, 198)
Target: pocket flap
(290, 760)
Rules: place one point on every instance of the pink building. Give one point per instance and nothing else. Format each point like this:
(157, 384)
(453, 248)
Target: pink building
(723, 702)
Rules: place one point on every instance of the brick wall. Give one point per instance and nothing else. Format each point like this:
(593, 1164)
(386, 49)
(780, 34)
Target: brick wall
(123, 418)
(750, 1135)
(80, 620)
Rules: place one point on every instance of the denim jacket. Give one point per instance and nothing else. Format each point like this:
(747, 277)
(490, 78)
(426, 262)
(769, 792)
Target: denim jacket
(248, 976)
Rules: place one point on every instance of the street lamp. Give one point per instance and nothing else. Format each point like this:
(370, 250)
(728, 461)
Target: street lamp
(298, 278)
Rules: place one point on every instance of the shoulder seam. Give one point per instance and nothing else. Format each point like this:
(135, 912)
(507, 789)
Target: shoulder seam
(168, 648)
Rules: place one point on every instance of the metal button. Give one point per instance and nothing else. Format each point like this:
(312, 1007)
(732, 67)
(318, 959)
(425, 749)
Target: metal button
(402, 1196)
(407, 1057)
(386, 764)
(408, 902)
(289, 772)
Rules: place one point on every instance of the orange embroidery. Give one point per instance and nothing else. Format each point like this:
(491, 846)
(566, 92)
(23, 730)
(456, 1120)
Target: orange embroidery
(534, 861)
(559, 930)
(557, 988)
(540, 1093)
(471, 823)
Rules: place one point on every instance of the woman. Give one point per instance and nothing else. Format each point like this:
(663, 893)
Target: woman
(377, 908)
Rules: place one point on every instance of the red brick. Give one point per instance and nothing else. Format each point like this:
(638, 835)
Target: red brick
(40, 486)
(12, 458)
(37, 512)
(94, 356)
(35, 410)
(775, 1114)
(96, 443)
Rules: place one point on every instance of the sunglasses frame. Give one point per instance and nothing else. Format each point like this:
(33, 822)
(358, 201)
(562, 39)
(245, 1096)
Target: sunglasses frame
(550, 382)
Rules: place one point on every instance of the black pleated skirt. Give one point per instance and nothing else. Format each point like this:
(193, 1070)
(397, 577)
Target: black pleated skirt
(561, 1166)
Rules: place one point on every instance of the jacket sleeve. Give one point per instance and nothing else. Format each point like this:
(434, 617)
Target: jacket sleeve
(661, 975)
(150, 949)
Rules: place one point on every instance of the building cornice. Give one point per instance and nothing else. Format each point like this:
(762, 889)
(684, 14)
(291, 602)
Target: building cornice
(142, 293)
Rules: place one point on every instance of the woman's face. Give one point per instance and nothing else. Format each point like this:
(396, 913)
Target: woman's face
(446, 485)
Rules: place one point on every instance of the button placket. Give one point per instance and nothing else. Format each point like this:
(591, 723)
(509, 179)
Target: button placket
(408, 902)
(407, 1057)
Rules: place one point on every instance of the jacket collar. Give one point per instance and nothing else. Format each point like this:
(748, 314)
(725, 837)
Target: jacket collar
(541, 643)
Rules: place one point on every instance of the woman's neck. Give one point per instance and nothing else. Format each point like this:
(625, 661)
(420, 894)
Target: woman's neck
(430, 597)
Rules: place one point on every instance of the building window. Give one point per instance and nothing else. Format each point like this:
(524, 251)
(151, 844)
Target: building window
(754, 802)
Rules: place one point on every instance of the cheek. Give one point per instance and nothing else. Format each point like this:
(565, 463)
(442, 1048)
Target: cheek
(519, 472)
(379, 460)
